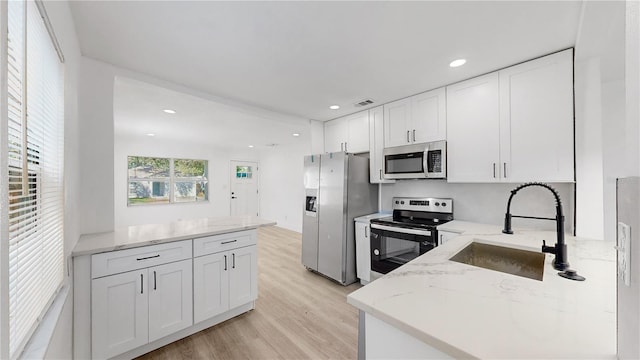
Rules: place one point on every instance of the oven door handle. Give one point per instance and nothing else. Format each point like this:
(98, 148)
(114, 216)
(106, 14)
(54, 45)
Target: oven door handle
(401, 230)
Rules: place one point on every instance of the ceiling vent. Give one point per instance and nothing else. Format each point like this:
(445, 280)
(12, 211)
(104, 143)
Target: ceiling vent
(365, 102)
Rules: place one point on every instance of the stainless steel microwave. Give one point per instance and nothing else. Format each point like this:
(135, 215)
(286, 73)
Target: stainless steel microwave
(417, 161)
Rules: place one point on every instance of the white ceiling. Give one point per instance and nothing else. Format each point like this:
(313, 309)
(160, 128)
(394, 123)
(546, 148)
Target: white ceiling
(138, 111)
(300, 57)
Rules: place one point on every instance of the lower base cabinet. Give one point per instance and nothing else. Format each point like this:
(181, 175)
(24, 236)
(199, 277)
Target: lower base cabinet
(134, 308)
(129, 302)
(223, 281)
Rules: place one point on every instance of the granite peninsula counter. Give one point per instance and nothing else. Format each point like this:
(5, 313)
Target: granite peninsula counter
(141, 287)
(436, 308)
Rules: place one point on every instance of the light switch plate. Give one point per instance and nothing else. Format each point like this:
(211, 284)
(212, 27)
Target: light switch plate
(624, 253)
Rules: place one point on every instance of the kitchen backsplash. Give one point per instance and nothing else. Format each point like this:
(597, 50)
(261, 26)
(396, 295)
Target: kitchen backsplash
(487, 203)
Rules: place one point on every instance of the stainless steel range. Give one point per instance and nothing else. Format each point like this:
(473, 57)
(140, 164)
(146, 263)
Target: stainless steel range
(409, 233)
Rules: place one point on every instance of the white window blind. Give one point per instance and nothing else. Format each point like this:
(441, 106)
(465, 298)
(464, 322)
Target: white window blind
(35, 171)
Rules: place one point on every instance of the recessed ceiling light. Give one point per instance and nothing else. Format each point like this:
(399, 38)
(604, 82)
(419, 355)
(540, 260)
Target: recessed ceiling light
(456, 63)
(151, 134)
(334, 107)
(295, 134)
(250, 146)
(169, 111)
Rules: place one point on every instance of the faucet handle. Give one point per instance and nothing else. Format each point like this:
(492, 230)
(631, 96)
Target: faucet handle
(548, 249)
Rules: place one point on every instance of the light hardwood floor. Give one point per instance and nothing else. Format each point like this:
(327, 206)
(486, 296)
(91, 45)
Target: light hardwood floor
(298, 315)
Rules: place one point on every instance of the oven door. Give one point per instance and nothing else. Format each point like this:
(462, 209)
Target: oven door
(392, 247)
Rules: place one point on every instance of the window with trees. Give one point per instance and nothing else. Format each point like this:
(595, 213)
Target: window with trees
(155, 180)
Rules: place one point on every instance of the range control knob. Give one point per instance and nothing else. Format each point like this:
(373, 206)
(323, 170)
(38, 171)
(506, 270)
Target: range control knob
(437, 204)
(444, 204)
(402, 202)
(397, 201)
(376, 252)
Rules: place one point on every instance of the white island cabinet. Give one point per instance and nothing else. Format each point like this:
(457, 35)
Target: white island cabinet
(139, 288)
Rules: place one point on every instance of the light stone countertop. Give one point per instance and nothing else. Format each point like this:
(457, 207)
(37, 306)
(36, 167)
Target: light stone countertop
(471, 312)
(143, 235)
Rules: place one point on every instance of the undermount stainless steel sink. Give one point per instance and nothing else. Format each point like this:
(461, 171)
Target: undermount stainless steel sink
(518, 262)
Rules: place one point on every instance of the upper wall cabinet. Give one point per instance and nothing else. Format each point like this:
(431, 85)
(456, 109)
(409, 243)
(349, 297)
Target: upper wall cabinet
(536, 119)
(376, 146)
(473, 130)
(349, 133)
(420, 118)
(514, 125)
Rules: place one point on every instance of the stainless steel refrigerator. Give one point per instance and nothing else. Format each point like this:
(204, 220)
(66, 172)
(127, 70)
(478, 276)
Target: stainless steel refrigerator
(337, 191)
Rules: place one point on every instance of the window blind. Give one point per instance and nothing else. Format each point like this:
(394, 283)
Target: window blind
(35, 171)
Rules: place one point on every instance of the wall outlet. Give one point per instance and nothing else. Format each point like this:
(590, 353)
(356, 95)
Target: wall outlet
(624, 253)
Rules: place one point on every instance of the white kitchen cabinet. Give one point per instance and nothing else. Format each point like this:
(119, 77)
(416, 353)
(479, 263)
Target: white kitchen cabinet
(429, 116)
(514, 125)
(397, 123)
(418, 119)
(349, 133)
(120, 314)
(536, 119)
(170, 298)
(376, 146)
(335, 135)
(224, 280)
(210, 286)
(134, 308)
(363, 248)
(243, 276)
(473, 130)
(444, 236)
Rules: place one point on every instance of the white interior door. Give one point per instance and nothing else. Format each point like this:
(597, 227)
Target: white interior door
(245, 199)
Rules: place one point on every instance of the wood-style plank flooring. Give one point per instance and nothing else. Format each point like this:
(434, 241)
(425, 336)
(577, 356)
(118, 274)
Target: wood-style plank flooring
(298, 315)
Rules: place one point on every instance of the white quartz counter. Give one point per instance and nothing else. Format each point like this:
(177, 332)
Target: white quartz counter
(142, 235)
(471, 312)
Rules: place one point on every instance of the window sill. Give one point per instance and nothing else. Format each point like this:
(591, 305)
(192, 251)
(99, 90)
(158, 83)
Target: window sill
(38, 345)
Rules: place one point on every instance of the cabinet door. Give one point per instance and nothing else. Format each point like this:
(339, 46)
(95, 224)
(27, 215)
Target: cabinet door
(376, 145)
(243, 276)
(444, 236)
(119, 313)
(397, 117)
(210, 286)
(358, 130)
(429, 116)
(363, 257)
(170, 298)
(473, 128)
(537, 120)
(335, 135)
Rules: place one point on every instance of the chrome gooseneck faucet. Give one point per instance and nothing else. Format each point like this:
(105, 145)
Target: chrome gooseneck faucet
(560, 249)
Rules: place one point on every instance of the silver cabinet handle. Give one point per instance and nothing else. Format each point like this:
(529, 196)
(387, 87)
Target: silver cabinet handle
(366, 231)
(345, 146)
(414, 135)
(494, 170)
(233, 263)
(505, 169)
(155, 287)
(225, 262)
(141, 284)
(408, 136)
(228, 242)
(380, 174)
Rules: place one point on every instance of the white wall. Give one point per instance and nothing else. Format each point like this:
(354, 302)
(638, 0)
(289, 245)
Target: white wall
(487, 203)
(281, 183)
(219, 177)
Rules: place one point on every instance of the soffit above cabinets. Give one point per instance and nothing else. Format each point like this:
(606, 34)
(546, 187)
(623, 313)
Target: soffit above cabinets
(300, 57)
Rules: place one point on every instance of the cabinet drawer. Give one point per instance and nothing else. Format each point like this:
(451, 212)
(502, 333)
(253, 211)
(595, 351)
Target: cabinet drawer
(132, 259)
(213, 244)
